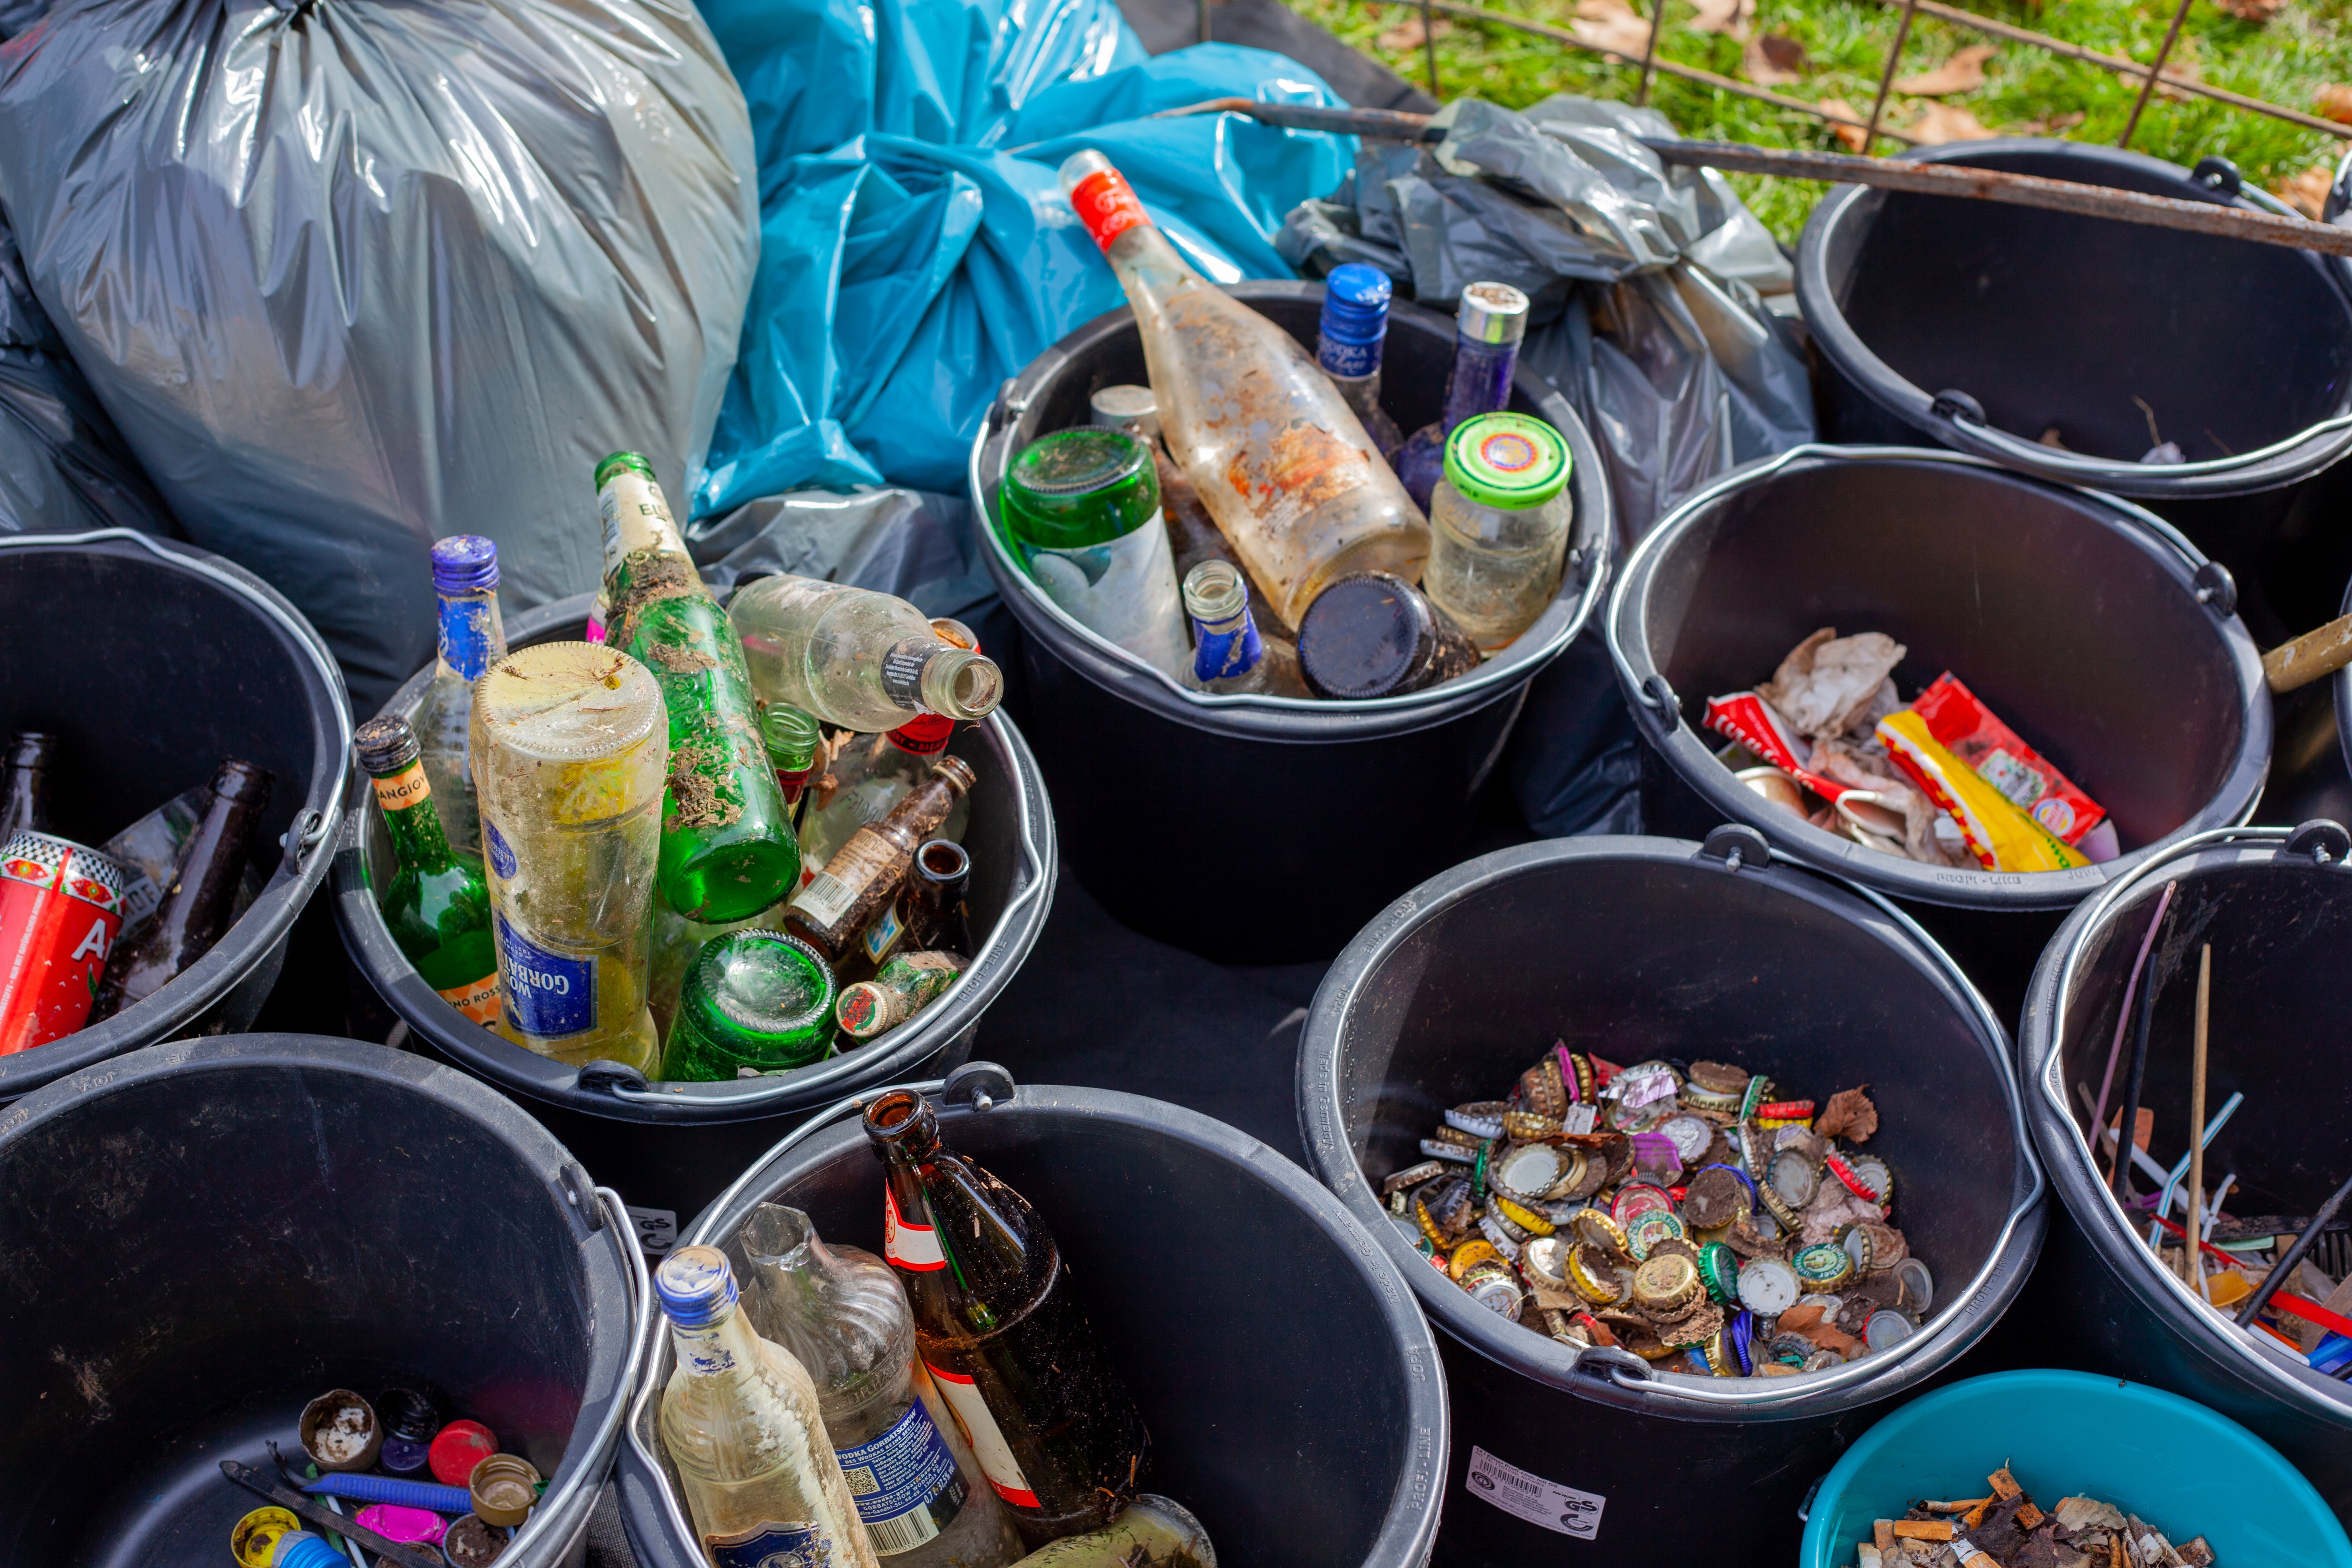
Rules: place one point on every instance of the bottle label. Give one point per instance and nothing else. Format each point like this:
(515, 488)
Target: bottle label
(907, 1245)
(902, 669)
(551, 993)
(1124, 591)
(884, 934)
(635, 518)
(1227, 648)
(905, 1483)
(769, 1545)
(1108, 205)
(465, 633)
(404, 789)
(824, 900)
(925, 737)
(479, 1000)
(988, 1444)
(1336, 356)
(502, 855)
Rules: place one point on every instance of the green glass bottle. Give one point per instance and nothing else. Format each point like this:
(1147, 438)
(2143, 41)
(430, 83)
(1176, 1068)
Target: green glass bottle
(755, 999)
(727, 848)
(793, 740)
(1083, 508)
(438, 904)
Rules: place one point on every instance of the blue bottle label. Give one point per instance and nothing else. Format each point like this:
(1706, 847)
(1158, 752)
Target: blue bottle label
(905, 1482)
(774, 1546)
(464, 634)
(549, 995)
(1337, 356)
(502, 855)
(1232, 649)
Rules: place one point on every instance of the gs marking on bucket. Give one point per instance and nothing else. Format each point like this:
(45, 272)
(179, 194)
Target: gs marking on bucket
(1560, 1509)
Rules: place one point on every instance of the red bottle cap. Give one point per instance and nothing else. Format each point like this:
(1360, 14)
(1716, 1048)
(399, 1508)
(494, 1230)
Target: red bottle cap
(457, 1449)
(1106, 205)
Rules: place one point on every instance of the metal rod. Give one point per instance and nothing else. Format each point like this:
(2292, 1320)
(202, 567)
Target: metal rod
(1886, 75)
(2285, 1265)
(2172, 35)
(2196, 1217)
(1429, 48)
(1649, 52)
(2128, 1129)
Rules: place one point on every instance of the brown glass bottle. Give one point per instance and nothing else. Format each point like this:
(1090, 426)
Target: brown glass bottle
(202, 900)
(998, 1325)
(933, 908)
(864, 874)
(24, 797)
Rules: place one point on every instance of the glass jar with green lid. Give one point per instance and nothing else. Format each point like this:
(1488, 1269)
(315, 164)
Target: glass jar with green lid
(1082, 508)
(755, 999)
(1499, 521)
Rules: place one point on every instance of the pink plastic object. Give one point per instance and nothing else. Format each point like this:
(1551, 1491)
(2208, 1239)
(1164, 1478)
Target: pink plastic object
(409, 1526)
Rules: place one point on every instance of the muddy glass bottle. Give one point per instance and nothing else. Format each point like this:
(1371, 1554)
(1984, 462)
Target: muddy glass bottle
(1002, 1331)
(866, 775)
(844, 1316)
(437, 904)
(1348, 345)
(728, 849)
(469, 638)
(740, 1421)
(1499, 526)
(1153, 1531)
(201, 903)
(857, 659)
(24, 795)
(863, 878)
(1488, 327)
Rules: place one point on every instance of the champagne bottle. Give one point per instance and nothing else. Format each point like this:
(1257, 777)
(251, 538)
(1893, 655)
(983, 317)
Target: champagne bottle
(863, 879)
(25, 797)
(728, 848)
(844, 1316)
(469, 638)
(1002, 1331)
(1279, 458)
(201, 903)
(437, 904)
(1153, 1531)
(857, 659)
(740, 1421)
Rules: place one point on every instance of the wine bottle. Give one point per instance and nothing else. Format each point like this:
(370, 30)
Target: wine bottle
(437, 904)
(201, 903)
(24, 797)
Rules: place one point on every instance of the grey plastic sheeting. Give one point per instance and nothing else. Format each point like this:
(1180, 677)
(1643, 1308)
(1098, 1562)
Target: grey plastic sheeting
(351, 278)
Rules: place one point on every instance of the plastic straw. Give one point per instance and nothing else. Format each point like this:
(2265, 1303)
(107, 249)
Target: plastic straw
(2099, 1110)
(2189, 1262)
(2127, 1130)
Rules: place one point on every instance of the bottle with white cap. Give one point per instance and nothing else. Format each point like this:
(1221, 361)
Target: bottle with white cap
(1488, 327)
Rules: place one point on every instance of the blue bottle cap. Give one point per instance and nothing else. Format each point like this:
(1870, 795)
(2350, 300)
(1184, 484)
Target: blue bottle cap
(404, 1455)
(1355, 319)
(695, 1286)
(464, 563)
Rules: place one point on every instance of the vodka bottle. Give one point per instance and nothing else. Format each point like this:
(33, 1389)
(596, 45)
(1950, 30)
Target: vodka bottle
(1231, 657)
(469, 638)
(843, 1315)
(856, 660)
(1003, 1332)
(1499, 526)
(571, 748)
(1150, 1532)
(437, 904)
(201, 903)
(1348, 345)
(740, 1421)
(1488, 327)
(1279, 458)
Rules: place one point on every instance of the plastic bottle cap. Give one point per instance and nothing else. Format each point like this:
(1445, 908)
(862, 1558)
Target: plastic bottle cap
(408, 1526)
(505, 1486)
(254, 1537)
(1366, 635)
(1491, 313)
(385, 745)
(459, 1447)
(340, 1431)
(1356, 305)
(1082, 486)
(1506, 460)
(405, 1456)
(464, 563)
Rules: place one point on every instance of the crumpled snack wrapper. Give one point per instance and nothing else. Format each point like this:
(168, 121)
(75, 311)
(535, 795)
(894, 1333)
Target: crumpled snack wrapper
(1829, 684)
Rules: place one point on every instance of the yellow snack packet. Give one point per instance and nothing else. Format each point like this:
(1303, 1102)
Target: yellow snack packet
(2002, 838)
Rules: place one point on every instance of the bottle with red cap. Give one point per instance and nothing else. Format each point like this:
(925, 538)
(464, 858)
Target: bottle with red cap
(868, 775)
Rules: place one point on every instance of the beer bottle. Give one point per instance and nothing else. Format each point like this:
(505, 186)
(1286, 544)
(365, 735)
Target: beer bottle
(24, 797)
(1231, 655)
(437, 905)
(1002, 1331)
(934, 913)
(903, 986)
(863, 879)
(469, 638)
(728, 849)
(857, 659)
(740, 1421)
(752, 998)
(201, 902)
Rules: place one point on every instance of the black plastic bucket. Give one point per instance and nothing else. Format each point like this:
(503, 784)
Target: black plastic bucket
(152, 661)
(1292, 1392)
(2099, 633)
(2277, 905)
(1655, 947)
(203, 1237)
(1164, 796)
(670, 1147)
(2034, 318)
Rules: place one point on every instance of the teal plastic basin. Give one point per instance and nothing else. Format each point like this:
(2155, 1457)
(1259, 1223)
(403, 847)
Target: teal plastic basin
(2177, 1465)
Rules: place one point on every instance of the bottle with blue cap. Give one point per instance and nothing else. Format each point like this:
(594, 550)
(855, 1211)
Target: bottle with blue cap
(1488, 327)
(1347, 346)
(742, 1423)
(1498, 526)
(469, 638)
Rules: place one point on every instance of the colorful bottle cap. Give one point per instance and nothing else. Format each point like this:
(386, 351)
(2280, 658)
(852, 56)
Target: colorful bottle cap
(1471, 1253)
(1823, 1265)
(1506, 460)
(1491, 313)
(408, 1526)
(254, 1537)
(340, 1431)
(459, 1447)
(1355, 319)
(1719, 1266)
(1082, 486)
(1492, 1286)
(464, 563)
(1646, 1234)
(1635, 1199)
(1520, 1215)
(1667, 1283)
(301, 1549)
(405, 1456)
(504, 1487)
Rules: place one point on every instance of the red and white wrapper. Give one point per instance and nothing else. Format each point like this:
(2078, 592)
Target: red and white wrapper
(1747, 718)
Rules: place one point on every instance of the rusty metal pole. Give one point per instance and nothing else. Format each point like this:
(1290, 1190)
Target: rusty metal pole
(1429, 48)
(1204, 9)
(1649, 52)
(2172, 35)
(1886, 76)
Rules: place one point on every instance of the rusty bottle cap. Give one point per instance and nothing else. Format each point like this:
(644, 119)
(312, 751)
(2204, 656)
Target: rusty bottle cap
(1590, 1276)
(256, 1536)
(504, 1488)
(1412, 1176)
(1594, 1227)
(1824, 1266)
(1482, 1119)
(1769, 1287)
(470, 1544)
(340, 1431)
(1667, 1283)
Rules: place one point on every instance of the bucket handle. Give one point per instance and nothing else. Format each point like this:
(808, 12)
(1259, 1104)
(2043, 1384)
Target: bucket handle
(1965, 425)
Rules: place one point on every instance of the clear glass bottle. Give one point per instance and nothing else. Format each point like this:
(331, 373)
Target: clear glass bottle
(1153, 1531)
(739, 1420)
(865, 874)
(1277, 454)
(24, 797)
(1082, 508)
(1230, 655)
(570, 750)
(1488, 327)
(1348, 345)
(469, 638)
(1498, 526)
(844, 1316)
(854, 659)
(437, 903)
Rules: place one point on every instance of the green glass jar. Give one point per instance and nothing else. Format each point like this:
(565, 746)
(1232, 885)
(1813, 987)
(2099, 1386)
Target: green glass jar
(755, 999)
(1082, 508)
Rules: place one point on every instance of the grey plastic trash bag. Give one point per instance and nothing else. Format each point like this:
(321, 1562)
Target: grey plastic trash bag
(350, 276)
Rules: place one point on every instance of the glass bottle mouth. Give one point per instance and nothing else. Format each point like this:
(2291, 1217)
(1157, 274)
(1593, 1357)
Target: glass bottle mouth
(1214, 592)
(385, 744)
(903, 1120)
(942, 861)
(963, 684)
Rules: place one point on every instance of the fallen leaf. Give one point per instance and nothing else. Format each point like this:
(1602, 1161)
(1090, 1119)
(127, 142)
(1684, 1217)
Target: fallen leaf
(1771, 59)
(1849, 1115)
(1943, 123)
(1963, 72)
(1728, 16)
(2334, 101)
(2252, 10)
(2306, 193)
(1611, 24)
(1409, 34)
(1850, 136)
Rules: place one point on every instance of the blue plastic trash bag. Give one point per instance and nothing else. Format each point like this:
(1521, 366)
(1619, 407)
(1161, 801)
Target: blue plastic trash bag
(350, 276)
(916, 251)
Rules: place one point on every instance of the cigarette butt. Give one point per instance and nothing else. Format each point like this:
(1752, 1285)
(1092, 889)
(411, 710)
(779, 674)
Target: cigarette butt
(2028, 1516)
(1882, 1532)
(1960, 1506)
(2004, 1485)
(1866, 1556)
(2115, 1550)
(1925, 1529)
(1975, 1516)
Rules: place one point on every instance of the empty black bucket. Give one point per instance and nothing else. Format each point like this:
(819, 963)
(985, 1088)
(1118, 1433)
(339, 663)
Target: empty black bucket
(1165, 797)
(2092, 627)
(152, 661)
(1638, 948)
(2277, 905)
(670, 1147)
(204, 1236)
(1985, 326)
(1292, 1391)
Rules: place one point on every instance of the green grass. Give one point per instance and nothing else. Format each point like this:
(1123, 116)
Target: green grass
(2285, 61)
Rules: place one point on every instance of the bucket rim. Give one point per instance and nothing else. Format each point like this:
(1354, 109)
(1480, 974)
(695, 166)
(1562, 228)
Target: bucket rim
(979, 1088)
(1958, 420)
(607, 1090)
(1253, 717)
(1653, 701)
(1616, 1377)
(301, 864)
(2321, 847)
